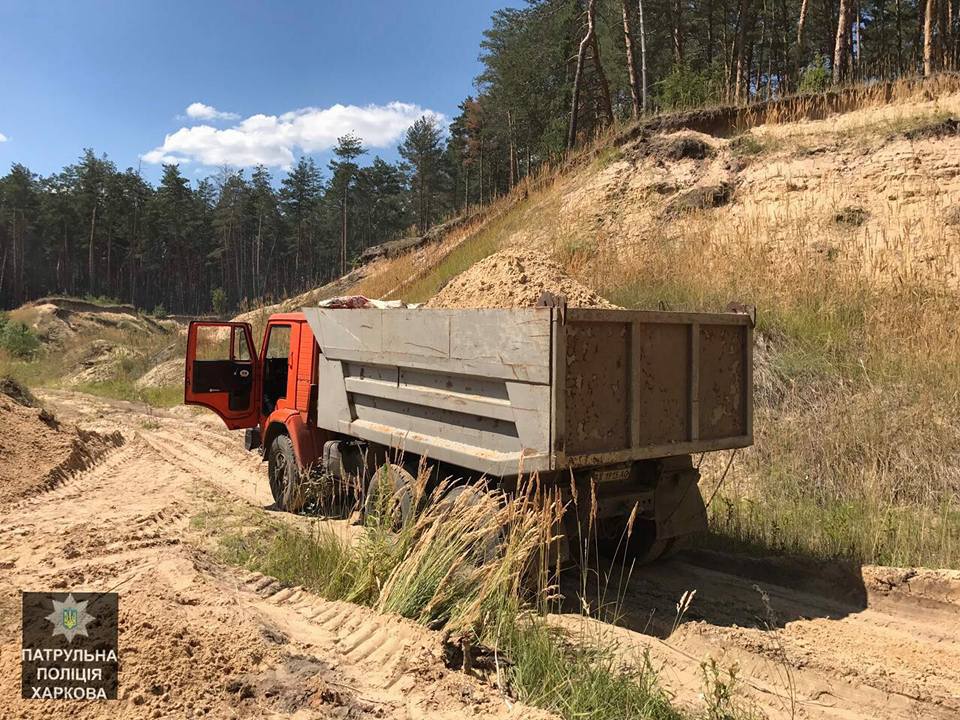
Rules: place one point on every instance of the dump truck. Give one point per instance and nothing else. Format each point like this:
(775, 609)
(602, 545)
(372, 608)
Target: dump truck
(612, 401)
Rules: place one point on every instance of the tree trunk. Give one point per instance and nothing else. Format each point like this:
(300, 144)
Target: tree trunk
(481, 172)
(800, 23)
(513, 150)
(951, 20)
(929, 58)
(602, 78)
(578, 77)
(677, 9)
(343, 234)
(855, 58)
(841, 46)
(899, 39)
(631, 64)
(91, 262)
(944, 43)
(742, 79)
(710, 32)
(760, 48)
(643, 59)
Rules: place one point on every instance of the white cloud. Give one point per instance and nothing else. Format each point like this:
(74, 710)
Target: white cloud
(272, 139)
(158, 156)
(3, 138)
(199, 111)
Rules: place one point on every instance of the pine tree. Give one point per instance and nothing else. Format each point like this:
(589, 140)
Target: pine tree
(422, 148)
(344, 169)
(299, 196)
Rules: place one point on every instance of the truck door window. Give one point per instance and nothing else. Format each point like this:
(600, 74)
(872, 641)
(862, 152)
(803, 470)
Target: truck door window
(241, 350)
(275, 367)
(222, 363)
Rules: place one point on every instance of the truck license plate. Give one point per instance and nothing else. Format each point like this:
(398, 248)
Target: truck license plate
(612, 474)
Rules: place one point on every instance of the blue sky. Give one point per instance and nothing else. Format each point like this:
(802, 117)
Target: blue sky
(268, 81)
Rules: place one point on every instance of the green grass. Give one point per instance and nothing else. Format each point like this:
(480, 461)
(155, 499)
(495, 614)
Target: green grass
(750, 145)
(103, 300)
(580, 677)
(864, 529)
(488, 240)
(855, 430)
(606, 156)
(125, 389)
(437, 571)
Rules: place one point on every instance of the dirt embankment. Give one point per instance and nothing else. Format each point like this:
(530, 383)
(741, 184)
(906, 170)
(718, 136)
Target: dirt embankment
(90, 343)
(513, 278)
(58, 321)
(36, 450)
(198, 639)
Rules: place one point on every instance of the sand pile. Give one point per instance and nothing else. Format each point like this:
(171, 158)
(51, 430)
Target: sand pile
(102, 361)
(165, 374)
(58, 321)
(513, 278)
(36, 451)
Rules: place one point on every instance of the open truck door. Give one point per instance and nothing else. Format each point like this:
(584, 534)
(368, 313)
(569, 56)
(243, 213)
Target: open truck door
(222, 372)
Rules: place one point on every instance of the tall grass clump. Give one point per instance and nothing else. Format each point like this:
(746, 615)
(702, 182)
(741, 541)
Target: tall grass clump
(478, 564)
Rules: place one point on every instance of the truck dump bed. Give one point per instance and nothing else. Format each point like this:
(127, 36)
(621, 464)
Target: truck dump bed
(535, 389)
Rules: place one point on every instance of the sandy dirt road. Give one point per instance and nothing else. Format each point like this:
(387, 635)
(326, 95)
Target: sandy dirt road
(198, 639)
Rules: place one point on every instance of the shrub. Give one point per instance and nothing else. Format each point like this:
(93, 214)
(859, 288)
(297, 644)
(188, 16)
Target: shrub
(685, 87)
(18, 339)
(817, 76)
(468, 566)
(218, 301)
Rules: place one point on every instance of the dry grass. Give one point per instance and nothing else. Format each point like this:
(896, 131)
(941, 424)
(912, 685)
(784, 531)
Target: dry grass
(856, 277)
(858, 393)
(477, 567)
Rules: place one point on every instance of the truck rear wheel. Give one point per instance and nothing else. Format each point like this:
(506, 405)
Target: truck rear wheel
(642, 547)
(390, 491)
(471, 496)
(284, 475)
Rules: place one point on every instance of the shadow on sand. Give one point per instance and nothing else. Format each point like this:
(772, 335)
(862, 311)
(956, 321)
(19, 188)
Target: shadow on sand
(731, 590)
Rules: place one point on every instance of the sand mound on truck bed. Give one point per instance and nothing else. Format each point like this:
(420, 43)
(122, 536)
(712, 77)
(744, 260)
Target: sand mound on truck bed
(36, 451)
(513, 278)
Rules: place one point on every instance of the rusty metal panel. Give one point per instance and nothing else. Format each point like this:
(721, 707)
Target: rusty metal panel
(722, 395)
(661, 376)
(305, 354)
(597, 390)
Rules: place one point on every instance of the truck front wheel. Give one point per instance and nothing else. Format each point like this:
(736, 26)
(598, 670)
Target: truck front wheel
(284, 475)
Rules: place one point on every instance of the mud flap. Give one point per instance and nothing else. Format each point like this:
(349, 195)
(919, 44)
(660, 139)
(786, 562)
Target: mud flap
(678, 505)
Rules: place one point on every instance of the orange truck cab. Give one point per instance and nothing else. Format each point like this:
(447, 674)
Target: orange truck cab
(271, 394)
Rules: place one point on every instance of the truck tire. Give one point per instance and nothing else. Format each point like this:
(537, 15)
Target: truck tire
(657, 550)
(642, 548)
(284, 475)
(473, 495)
(391, 489)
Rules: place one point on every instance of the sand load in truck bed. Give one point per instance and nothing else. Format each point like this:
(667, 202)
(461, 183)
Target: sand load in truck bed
(535, 389)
